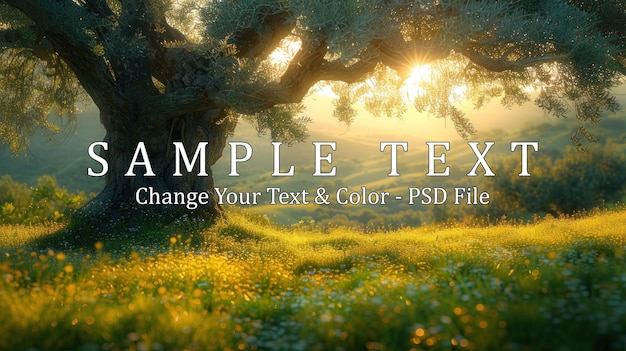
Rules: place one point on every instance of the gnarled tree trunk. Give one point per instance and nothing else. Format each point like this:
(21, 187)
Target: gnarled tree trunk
(116, 205)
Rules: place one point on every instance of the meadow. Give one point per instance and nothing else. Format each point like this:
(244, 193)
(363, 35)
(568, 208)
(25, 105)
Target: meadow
(247, 284)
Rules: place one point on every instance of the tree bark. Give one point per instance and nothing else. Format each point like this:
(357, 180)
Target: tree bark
(116, 206)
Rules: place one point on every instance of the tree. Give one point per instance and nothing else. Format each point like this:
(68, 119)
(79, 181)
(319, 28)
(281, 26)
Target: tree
(164, 70)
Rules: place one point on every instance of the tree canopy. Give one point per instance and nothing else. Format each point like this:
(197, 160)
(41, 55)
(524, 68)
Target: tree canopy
(572, 52)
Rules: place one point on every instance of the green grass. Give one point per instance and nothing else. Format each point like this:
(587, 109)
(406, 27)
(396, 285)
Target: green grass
(245, 284)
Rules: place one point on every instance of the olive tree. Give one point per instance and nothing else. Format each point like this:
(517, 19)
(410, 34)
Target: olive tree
(164, 71)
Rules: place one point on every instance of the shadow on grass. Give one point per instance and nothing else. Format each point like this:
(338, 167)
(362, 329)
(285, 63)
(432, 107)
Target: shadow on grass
(124, 236)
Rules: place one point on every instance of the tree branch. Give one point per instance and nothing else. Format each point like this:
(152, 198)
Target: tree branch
(403, 56)
(159, 35)
(357, 72)
(303, 71)
(90, 69)
(259, 42)
(159, 109)
(502, 64)
(308, 68)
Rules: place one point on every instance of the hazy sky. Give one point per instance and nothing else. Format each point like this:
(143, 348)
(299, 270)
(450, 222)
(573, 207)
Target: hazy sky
(416, 125)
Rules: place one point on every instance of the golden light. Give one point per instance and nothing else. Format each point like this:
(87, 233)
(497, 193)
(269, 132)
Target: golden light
(423, 77)
(285, 51)
(420, 74)
(414, 85)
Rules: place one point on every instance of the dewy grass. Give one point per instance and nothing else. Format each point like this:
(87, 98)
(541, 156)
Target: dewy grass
(559, 284)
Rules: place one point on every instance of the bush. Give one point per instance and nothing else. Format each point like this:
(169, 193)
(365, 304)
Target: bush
(20, 204)
(560, 184)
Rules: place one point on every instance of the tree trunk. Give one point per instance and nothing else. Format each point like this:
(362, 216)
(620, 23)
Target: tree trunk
(116, 207)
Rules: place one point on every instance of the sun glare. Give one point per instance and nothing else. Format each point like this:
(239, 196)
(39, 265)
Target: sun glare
(414, 85)
(422, 76)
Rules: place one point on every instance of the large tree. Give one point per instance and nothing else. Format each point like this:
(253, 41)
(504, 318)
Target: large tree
(161, 71)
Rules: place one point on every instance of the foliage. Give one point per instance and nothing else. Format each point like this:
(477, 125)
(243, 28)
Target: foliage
(561, 184)
(494, 50)
(572, 51)
(558, 284)
(281, 123)
(44, 202)
(38, 93)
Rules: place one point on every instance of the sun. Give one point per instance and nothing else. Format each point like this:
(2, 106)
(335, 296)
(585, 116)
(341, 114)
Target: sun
(420, 74)
(414, 85)
(424, 77)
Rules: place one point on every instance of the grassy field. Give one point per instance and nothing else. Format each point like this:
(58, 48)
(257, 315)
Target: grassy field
(248, 285)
